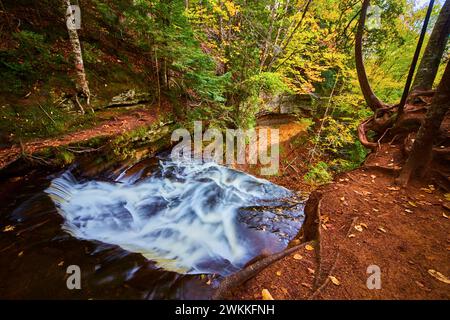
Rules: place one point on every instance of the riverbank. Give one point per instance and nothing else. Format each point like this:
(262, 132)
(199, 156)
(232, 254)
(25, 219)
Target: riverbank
(110, 123)
(358, 224)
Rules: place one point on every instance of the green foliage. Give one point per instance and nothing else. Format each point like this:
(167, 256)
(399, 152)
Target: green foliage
(26, 122)
(318, 174)
(28, 62)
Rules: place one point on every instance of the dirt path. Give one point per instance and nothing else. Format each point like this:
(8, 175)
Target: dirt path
(365, 220)
(116, 124)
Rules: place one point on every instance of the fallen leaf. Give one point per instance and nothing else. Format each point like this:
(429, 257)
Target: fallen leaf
(266, 295)
(394, 188)
(297, 257)
(20, 254)
(309, 247)
(376, 210)
(351, 235)
(324, 226)
(382, 229)
(444, 215)
(412, 204)
(358, 227)
(278, 273)
(307, 285)
(334, 280)
(420, 284)
(8, 228)
(312, 271)
(285, 291)
(447, 196)
(427, 190)
(363, 225)
(61, 263)
(409, 211)
(439, 276)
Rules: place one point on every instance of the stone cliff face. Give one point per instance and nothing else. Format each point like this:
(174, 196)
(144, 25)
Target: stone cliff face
(287, 103)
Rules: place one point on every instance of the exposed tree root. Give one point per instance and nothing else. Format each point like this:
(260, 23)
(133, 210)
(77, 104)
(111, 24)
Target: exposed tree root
(333, 267)
(310, 231)
(249, 272)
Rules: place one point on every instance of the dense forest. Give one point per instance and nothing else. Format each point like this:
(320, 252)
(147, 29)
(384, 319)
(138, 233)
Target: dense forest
(358, 90)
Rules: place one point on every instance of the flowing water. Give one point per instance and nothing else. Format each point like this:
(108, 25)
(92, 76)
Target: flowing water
(167, 230)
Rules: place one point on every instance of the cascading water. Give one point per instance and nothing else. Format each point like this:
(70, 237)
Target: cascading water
(187, 217)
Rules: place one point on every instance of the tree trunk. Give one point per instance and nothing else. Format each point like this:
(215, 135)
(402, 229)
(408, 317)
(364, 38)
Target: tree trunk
(421, 152)
(371, 99)
(81, 81)
(432, 56)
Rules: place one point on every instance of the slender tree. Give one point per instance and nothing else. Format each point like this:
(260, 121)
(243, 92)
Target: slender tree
(421, 152)
(432, 56)
(371, 99)
(81, 81)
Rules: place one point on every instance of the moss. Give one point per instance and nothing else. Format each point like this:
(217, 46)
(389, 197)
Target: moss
(64, 157)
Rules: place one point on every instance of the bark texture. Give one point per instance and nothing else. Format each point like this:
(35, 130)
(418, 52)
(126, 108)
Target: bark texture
(371, 99)
(428, 67)
(81, 81)
(421, 151)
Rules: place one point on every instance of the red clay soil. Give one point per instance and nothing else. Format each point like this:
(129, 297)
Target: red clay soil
(365, 219)
(116, 124)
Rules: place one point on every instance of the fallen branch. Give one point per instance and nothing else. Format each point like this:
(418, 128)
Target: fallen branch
(249, 272)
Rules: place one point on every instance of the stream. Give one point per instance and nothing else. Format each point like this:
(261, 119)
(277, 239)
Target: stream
(157, 229)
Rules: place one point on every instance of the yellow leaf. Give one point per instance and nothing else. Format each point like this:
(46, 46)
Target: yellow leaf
(334, 280)
(297, 257)
(447, 196)
(382, 229)
(439, 276)
(412, 204)
(266, 295)
(309, 247)
(278, 273)
(9, 228)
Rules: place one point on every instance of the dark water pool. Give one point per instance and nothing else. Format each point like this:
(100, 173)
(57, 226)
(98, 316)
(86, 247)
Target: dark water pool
(153, 230)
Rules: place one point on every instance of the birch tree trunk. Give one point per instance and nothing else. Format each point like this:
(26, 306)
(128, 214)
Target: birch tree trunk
(81, 81)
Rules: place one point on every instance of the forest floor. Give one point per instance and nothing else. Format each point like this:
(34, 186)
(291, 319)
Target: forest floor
(110, 123)
(363, 219)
